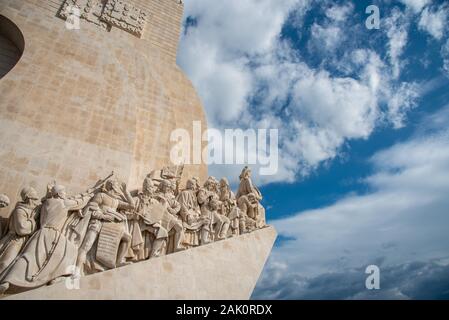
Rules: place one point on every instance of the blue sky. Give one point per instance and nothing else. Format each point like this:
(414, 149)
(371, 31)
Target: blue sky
(364, 150)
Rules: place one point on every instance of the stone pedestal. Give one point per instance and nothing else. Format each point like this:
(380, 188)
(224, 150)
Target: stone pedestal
(223, 270)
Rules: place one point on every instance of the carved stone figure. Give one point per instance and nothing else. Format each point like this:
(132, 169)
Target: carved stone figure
(197, 226)
(210, 192)
(107, 229)
(170, 221)
(228, 207)
(148, 234)
(4, 202)
(248, 201)
(48, 254)
(21, 226)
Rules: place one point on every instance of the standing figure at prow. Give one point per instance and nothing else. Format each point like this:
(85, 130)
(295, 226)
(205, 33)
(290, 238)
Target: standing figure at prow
(4, 202)
(49, 254)
(21, 226)
(248, 200)
(107, 239)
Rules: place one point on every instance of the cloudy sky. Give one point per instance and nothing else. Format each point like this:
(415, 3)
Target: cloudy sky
(363, 119)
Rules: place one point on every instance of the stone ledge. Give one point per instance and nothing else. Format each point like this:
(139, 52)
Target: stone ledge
(223, 270)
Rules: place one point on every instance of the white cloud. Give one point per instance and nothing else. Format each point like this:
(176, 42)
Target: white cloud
(248, 77)
(445, 55)
(326, 37)
(214, 53)
(339, 13)
(397, 25)
(329, 35)
(434, 21)
(416, 5)
(401, 220)
(401, 100)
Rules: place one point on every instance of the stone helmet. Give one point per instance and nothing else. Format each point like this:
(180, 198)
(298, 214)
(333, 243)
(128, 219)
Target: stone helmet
(4, 201)
(165, 185)
(29, 193)
(58, 191)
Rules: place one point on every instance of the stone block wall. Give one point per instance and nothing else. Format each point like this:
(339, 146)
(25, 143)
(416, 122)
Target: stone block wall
(81, 103)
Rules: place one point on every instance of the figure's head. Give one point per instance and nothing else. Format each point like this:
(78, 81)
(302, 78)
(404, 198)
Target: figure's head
(214, 204)
(113, 185)
(148, 186)
(211, 184)
(29, 193)
(4, 201)
(190, 184)
(173, 186)
(224, 183)
(246, 173)
(58, 191)
(196, 182)
(165, 186)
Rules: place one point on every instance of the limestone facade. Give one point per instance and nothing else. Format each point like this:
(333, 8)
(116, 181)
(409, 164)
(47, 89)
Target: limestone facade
(80, 103)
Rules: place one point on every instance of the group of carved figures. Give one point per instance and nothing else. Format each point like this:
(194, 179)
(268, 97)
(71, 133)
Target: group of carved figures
(109, 226)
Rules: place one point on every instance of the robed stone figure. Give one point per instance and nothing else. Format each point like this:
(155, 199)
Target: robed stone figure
(49, 254)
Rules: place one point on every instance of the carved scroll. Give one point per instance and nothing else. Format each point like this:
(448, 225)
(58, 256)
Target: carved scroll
(108, 243)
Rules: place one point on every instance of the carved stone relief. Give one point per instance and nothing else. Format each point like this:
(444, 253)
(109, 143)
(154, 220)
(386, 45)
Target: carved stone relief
(125, 16)
(109, 226)
(107, 14)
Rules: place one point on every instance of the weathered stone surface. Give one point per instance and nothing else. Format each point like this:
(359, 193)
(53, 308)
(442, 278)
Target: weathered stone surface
(227, 269)
(80, 102)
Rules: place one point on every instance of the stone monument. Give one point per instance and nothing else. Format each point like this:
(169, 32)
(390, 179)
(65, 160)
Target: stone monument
(88, 87)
